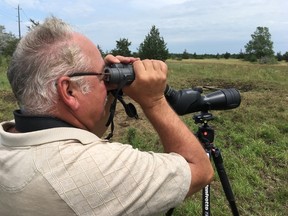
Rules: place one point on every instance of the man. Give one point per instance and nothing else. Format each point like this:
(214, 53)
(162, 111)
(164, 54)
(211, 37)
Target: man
(52, 161)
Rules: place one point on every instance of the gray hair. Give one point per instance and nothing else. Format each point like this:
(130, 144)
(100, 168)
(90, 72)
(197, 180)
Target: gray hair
(41, 57)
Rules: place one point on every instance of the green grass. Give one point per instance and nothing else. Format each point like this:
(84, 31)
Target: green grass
(252, 138)
(7, 101)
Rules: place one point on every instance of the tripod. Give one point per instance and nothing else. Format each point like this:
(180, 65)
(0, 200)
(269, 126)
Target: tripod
(205, 135)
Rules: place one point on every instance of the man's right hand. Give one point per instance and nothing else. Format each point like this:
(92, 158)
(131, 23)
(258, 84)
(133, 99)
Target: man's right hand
(150, 82)
(148, 90)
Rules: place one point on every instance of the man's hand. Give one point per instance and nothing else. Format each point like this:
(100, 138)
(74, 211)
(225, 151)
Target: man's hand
(148, 90)
(150, 82)
(110, 59)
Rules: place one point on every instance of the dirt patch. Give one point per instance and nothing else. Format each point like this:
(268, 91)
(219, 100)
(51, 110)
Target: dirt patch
(217, 84)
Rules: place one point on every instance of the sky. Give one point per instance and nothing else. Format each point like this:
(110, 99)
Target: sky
(197, 26)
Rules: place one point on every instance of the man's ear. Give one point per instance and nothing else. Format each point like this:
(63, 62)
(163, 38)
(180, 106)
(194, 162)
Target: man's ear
(67, 92)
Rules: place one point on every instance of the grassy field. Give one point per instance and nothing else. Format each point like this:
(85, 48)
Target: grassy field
(252, 138)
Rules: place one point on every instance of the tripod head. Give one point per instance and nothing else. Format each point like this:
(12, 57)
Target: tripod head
(203, 117)
(205, 133)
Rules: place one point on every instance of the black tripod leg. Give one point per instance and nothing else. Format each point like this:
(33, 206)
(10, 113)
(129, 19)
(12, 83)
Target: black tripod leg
(218, 161)
(206, 194)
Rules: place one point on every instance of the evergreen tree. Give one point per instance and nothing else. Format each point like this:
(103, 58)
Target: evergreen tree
(185, 54)
(122, 47)
(279, 56)
(153, 46)
(101, 51)
(285, 56)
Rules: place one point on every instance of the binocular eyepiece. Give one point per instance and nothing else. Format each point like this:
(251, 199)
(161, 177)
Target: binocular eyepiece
(182, 101)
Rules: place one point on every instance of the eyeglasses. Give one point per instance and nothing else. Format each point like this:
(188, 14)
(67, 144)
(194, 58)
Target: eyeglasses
(103, 76)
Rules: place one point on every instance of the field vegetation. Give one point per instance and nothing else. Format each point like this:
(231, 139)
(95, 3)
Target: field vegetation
(252, 138)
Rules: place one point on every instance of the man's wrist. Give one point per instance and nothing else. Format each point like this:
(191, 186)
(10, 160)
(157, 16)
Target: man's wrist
(156, 106)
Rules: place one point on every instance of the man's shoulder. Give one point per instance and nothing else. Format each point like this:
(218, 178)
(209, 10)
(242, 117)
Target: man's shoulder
(41, 137)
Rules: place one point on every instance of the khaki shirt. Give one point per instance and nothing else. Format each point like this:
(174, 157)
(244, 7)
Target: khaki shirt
(69, 171)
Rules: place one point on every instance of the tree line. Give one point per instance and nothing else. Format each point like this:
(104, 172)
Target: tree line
(258, 49)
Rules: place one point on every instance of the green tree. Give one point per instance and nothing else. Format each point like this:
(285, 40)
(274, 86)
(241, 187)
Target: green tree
(279, 56)
(101, 51)
(227, 55)
(260, 45)
(241, 55)
(285, 56)
(11, 46)
(153, 46)
(8, 42)
(122, 47)
(185, 54)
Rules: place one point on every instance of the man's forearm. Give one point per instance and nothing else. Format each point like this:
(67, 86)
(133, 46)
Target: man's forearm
(176, 137)
(174, 134)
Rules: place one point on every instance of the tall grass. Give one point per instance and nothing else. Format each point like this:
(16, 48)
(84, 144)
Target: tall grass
(252, 138)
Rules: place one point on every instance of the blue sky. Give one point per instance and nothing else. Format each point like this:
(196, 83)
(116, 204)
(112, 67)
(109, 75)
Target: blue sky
(201, 26)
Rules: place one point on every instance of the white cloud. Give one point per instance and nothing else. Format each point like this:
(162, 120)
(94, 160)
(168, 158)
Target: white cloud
(181, 22)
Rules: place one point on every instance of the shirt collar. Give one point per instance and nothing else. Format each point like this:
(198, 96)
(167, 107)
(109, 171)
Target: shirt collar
(29, 123)
(45, 136)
